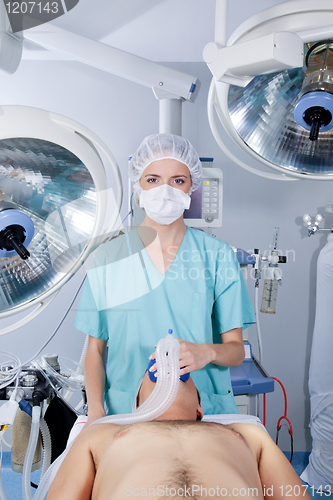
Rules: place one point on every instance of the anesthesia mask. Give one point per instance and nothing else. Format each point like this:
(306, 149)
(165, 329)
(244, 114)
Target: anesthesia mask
(164, 204)
(153, 375)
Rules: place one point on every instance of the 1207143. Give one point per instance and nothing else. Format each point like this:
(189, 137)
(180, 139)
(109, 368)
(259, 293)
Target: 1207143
(299, 491)
(32, 7)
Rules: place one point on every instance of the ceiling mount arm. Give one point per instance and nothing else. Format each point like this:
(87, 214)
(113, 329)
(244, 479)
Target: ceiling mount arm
(221, 18)
(170, 112)
(115, 61)
(266, 54)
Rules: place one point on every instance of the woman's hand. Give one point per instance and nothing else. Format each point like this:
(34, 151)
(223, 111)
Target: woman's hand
(192, 356)
(95, 415)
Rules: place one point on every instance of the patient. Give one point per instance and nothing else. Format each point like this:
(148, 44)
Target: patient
(175, 456)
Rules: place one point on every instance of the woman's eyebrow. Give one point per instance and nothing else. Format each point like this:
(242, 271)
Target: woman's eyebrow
(173, 177)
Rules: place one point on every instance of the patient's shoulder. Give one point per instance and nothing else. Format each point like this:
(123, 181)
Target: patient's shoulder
(101, 429)
(94, 433)
(255, 436)
(250, 430)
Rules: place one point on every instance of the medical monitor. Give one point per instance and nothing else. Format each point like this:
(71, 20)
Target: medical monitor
(206, 201)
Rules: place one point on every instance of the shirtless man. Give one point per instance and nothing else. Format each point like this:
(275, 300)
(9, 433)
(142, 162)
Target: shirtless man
(176, 456)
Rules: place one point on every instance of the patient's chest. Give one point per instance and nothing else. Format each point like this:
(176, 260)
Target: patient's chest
(170, 454)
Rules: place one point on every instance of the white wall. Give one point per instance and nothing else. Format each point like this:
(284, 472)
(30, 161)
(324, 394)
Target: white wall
(122, 113)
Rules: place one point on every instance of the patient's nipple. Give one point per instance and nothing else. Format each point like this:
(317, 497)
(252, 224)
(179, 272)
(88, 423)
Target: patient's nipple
(237, 435)
(121, 434)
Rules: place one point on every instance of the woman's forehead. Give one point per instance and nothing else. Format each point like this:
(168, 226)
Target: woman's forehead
(167, 164)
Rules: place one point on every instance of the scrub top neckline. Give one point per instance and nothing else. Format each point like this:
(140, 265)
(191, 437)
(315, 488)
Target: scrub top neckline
(175, 257)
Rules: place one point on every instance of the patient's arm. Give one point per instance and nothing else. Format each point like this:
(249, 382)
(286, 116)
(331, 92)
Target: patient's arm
(75, 478)
(275, 470)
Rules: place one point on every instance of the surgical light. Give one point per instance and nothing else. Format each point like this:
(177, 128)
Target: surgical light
(53, 199)
(314, 108)
(16, 229)
(257, 112)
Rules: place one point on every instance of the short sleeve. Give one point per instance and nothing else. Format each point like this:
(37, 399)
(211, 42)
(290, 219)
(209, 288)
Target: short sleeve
(90, 317)
(232, 305)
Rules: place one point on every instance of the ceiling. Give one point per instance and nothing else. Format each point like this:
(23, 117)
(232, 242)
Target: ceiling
(159, 30)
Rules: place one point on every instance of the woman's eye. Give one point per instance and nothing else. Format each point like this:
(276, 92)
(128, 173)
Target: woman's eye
(152, 179)
(179, 181)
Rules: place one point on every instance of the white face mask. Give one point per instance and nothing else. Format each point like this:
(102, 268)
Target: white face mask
(164, 204)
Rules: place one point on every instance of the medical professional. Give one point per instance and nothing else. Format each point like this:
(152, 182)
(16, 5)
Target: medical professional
(163, 275)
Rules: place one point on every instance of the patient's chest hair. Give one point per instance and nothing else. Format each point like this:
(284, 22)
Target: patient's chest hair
(173, 426)
(181, 468)
(170, 426)
(182, 473)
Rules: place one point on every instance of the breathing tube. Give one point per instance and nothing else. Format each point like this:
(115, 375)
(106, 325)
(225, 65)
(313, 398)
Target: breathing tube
(26, 488)
(162, 397)
(47, 445)
(166, 386)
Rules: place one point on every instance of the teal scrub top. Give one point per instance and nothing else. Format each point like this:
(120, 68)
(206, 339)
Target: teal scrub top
(129, 303)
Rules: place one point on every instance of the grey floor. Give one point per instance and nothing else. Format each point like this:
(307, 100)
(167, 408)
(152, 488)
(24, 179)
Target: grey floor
(13, 480)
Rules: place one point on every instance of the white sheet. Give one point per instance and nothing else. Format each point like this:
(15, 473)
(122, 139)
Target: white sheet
(225, 419)
(234, 418)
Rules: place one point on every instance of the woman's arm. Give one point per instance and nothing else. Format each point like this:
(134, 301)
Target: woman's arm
(94, 376)
(196, 356)
(231, 352)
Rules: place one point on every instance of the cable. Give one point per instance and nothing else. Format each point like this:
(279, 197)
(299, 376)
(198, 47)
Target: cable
(69, 379)
(129, 213)
(16, 370)
(60, 323)
(290, 430)
(284, 417)
(78, 406)
(15, 366)
(284, 394)
(36, 364)
(3, 494)
(9, 445)
(256, 306)
(111, 236)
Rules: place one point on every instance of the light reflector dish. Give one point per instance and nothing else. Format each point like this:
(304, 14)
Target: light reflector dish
(55, 189)
(263, 116)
